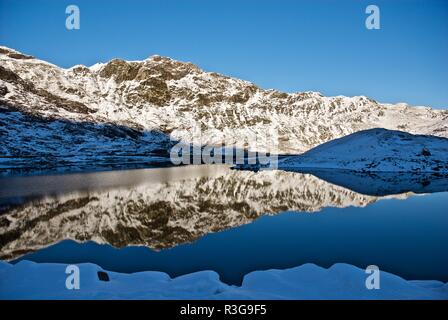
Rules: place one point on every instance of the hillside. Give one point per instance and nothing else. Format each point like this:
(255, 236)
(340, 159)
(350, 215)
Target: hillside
(376, 150)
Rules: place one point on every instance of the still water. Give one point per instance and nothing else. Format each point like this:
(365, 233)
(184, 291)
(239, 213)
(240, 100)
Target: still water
(185, 219)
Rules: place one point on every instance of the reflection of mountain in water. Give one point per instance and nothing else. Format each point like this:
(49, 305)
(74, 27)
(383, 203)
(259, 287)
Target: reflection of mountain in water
(167, 212)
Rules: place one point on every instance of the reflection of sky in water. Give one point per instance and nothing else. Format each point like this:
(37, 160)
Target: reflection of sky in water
(407, 238)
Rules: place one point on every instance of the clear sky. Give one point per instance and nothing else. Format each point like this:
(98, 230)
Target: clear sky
(318, 45)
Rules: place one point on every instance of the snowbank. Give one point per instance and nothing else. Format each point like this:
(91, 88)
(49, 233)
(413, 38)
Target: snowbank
(29, 280)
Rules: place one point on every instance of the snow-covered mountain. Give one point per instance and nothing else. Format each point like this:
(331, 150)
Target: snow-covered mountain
(164, 214)
(128, 108)
(376, 150)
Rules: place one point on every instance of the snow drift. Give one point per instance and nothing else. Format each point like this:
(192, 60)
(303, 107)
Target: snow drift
(29, 280)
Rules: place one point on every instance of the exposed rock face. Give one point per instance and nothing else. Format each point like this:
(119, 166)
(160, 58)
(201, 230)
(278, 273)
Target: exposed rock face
(166, 96)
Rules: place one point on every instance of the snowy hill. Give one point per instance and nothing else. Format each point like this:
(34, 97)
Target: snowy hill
(53, 115)
(376, 150)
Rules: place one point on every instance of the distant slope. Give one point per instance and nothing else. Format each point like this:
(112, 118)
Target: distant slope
(376, 150)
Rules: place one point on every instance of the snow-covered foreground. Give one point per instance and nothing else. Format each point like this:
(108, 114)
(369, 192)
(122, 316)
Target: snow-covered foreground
(29, 280)
(376, 150)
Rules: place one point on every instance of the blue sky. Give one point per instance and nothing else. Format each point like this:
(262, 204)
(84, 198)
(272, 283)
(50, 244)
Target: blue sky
(287, 45)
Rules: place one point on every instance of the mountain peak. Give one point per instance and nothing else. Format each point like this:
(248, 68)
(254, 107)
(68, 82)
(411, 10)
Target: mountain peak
(164, 68)
(156, 57)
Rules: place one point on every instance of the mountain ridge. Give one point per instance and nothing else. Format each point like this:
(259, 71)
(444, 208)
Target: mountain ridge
(173, 99)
